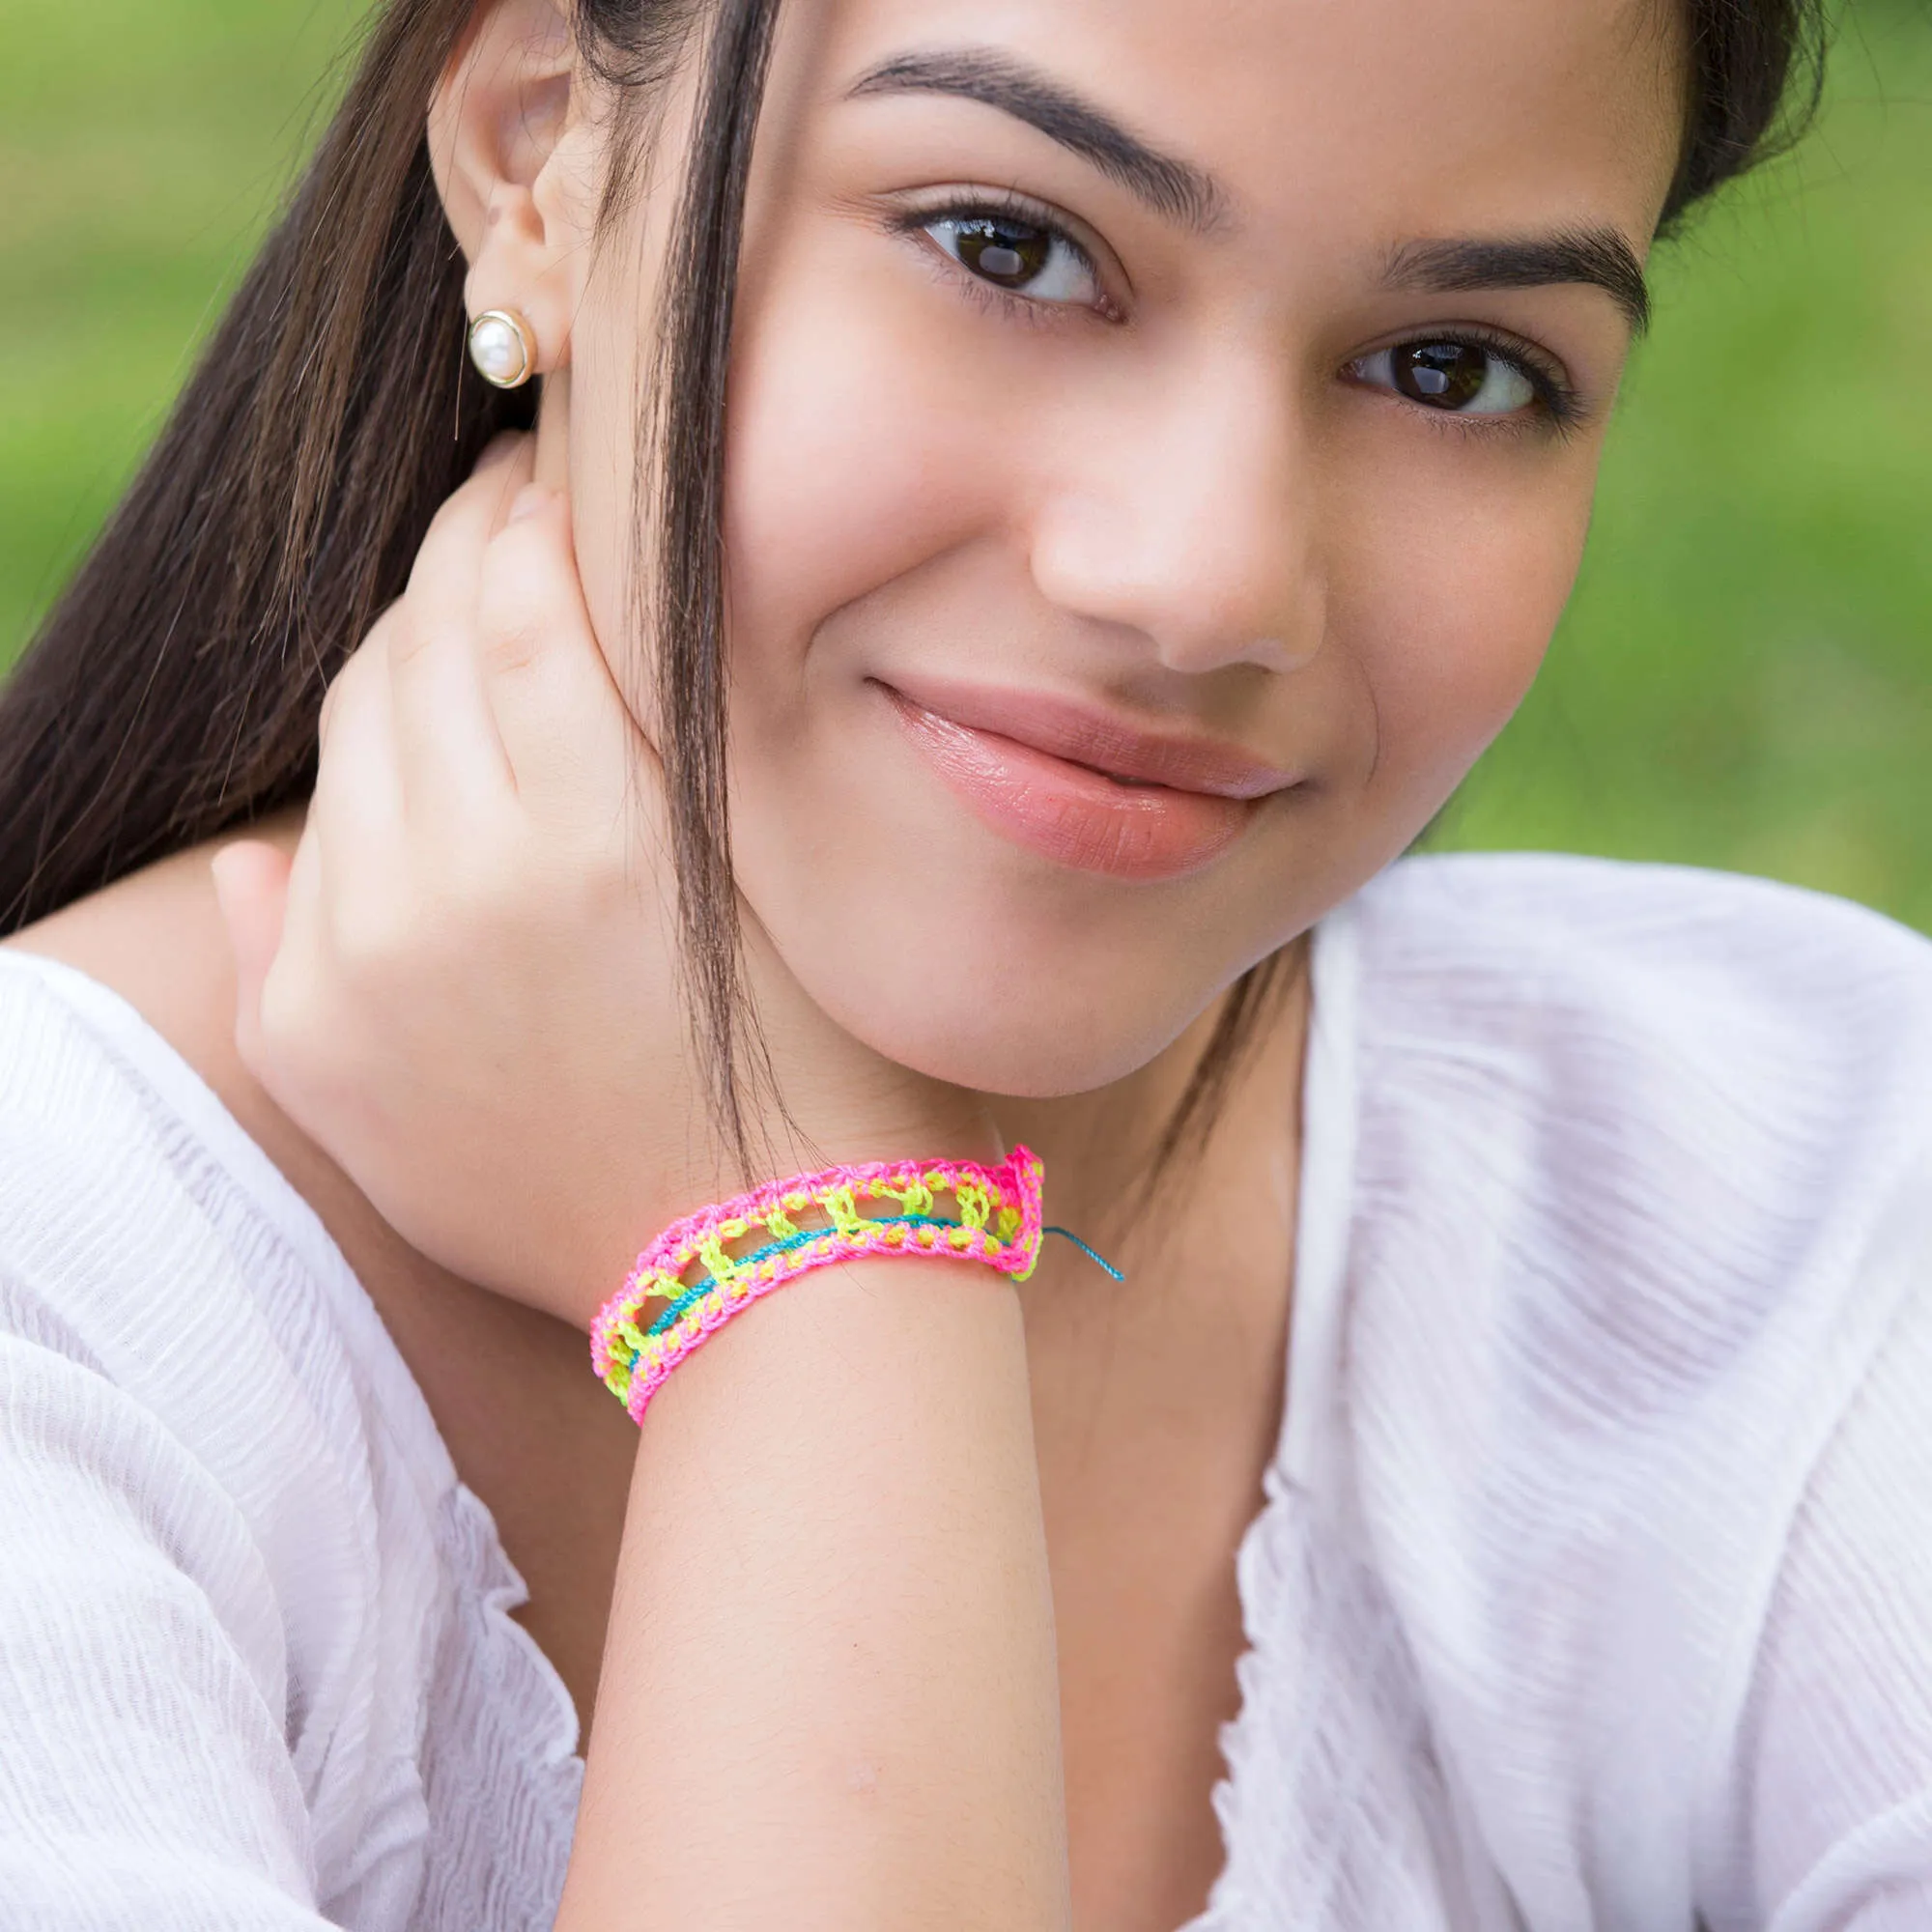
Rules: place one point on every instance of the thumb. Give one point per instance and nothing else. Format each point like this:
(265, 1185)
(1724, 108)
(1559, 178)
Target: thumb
(251, 886)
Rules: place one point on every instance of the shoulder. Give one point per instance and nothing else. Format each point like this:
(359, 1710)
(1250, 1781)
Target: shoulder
(133, 1203)
(277, 1626)
(1523, 944)
(185, 1356)
(139, 1216)
(1662, 1115)
(1641, 1189)
(1665, 1107)
(1749, 1049)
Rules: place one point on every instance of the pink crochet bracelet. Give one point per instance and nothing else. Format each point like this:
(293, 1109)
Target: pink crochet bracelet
(809, 1222)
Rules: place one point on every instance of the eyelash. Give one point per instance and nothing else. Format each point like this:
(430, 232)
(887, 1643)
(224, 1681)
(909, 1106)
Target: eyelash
(1559, 405)
(912, 223)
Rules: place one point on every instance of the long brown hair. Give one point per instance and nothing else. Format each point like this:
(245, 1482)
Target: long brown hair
(172, 695)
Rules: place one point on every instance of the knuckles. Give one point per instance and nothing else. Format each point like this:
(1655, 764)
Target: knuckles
(527, 599)
(353, 683)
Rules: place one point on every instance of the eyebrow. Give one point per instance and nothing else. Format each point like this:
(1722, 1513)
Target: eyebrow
(1599, 257)
(1171, 188)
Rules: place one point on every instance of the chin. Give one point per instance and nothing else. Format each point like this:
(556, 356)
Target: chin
(1047, 1060)
(1030, 1065)
(1001, 1021)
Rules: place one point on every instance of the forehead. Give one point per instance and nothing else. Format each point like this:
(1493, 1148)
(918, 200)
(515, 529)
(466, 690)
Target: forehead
(1400, 116)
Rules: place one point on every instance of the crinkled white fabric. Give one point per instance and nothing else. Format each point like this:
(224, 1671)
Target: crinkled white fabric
(1594, 1584)
(256, 1666)
(1593, 1587)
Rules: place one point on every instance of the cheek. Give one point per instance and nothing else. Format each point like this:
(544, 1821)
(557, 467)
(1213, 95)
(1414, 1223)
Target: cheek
(849, 465)
(1452, 596)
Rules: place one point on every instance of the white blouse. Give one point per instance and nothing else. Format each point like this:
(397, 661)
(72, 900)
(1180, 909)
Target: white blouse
(1593, 1586)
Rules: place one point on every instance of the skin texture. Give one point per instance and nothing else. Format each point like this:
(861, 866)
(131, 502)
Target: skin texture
(1188, 504)
(1187, 513)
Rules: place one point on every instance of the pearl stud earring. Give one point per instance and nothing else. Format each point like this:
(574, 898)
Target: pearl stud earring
(503, 348)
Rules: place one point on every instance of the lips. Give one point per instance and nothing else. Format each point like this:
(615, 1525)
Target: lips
(1084, 788)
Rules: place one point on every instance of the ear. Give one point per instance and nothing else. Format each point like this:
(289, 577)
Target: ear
(505, 130)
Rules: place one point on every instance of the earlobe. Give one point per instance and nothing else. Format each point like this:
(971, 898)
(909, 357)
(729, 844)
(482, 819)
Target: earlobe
(497, 120)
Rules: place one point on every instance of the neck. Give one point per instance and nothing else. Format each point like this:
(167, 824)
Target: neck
(1108, 1181)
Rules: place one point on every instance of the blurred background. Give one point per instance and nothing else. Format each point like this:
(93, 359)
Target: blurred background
(1743, 679)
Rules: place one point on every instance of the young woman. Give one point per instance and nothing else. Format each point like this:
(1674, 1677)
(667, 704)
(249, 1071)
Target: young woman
(1070, 501)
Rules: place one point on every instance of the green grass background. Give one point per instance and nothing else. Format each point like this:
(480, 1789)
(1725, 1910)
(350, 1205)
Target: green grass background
(1744, 676)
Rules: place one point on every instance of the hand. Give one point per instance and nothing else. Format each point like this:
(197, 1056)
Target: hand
(464, 986)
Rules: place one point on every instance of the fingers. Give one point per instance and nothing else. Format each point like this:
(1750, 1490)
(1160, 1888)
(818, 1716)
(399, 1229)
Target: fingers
(251, 883)
(477, 732)
(291, 1030)
(445, 737)
(445, 575)
(358, 786)
(558, 713)
(299, 926)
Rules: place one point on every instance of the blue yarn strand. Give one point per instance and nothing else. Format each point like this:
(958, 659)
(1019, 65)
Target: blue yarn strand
(674, 1309)
(1099, 1260)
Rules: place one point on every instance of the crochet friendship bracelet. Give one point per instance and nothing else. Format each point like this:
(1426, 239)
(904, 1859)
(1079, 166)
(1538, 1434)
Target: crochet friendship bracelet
(810, 1222)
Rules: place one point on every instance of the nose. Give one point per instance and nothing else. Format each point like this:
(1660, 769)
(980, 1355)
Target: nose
(1187, 517)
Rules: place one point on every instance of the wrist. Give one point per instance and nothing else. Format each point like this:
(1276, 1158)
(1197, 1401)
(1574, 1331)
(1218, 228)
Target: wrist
(709, 1267)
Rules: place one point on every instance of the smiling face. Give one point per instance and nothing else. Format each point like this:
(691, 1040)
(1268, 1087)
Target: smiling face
(1161, 440)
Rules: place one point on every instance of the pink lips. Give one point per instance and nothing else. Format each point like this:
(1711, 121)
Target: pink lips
(1084, 788)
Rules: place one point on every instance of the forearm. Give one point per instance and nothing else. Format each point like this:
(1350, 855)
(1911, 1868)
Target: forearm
(828, 1696)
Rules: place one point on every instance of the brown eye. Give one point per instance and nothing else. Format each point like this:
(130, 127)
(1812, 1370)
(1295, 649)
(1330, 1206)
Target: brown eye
(1025, 259)
(1003, 251)
(1444, 374)
(1458, 378)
